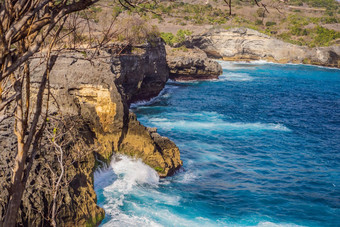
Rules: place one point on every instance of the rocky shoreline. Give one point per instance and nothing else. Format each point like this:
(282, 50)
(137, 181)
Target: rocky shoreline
(90, 120)
(89, 111)
(191, 64)
(244, 44)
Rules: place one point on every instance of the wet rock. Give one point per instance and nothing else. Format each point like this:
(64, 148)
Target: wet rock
(158, 152)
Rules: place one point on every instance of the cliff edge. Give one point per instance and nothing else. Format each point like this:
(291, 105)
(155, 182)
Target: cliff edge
(89, 120)
(191, 64)
(244, 44)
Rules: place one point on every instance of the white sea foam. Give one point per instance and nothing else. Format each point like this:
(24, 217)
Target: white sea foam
(185, 81)
(235, 77)
(169, 218)
(271, 224)
(199, 115)
(188, 125)
(188, 177)
(317, 66)
(236, 65)
(132, 177)
(167, 90)
(131, 172)
(122, 219)
(148, 102)
(128, 176)
(123, 175)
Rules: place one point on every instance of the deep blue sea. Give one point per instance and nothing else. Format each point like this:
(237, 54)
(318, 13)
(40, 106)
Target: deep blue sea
(260, 146)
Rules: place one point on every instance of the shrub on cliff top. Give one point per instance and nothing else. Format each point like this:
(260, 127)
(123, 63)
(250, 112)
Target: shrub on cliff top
(171, 39)
(168, 37)
(324, 36)
(137, 31)
(270, 23)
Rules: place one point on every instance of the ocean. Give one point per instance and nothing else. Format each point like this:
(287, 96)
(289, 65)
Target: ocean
(260, 146)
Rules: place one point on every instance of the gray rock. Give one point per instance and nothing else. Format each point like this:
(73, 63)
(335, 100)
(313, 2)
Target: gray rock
(243, 44)
(191, 64)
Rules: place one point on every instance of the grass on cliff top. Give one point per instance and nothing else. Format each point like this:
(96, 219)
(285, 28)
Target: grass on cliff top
(293, 25)
(302, 22)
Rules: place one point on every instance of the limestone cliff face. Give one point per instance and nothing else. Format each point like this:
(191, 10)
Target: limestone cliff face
(246, 44)
(156, 151)
(192, 64)
(89, 114)
(142, 76)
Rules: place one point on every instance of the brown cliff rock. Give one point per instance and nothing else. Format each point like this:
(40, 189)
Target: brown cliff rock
(158, 152)
(89, 111)
(191, 64)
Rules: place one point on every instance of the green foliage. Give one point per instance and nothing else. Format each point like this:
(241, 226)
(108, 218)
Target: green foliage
(296, 2)
(171, 39)
(261, 12)
(258, 22)
(298, 31)
(315, 3)
(181, 48)
(270, 23)
(324, 36)
(157, 16)
(322, 3)
(137, 31)
(295, 19)
(329, 20)
(168, 37)
(95, 9)
(117, 10)
(84, 54)
(181, 35)
(91, 13)
(195, 13)
(319, 36)
(159, 169)
(286, 36)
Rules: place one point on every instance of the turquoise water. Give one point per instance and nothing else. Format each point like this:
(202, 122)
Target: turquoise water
(261, 147)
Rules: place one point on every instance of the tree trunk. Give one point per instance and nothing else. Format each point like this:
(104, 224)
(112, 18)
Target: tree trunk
(17, 186)
(229, 7)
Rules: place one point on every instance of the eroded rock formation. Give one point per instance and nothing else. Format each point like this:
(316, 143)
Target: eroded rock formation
(89, 118)
(191, 64)
(243, 44)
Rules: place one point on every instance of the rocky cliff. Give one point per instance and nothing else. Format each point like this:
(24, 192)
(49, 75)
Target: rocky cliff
(89, 120)
(191, 64)
(243, 44)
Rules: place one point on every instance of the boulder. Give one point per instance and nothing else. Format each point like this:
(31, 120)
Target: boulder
(191, 64)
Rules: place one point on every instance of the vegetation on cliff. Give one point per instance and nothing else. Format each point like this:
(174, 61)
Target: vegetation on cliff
(57, 119)
(302, 22)
(27, 99)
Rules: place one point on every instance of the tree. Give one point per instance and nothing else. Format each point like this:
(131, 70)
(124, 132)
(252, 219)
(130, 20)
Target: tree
(25, 27)
(257, 2)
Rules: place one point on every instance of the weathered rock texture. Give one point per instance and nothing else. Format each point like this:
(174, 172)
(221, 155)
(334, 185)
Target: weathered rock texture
(191, 64)
(89, 116)
(156, 151)
(246, 44)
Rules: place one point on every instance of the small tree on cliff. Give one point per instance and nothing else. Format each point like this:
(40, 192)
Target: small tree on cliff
(25, 27)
